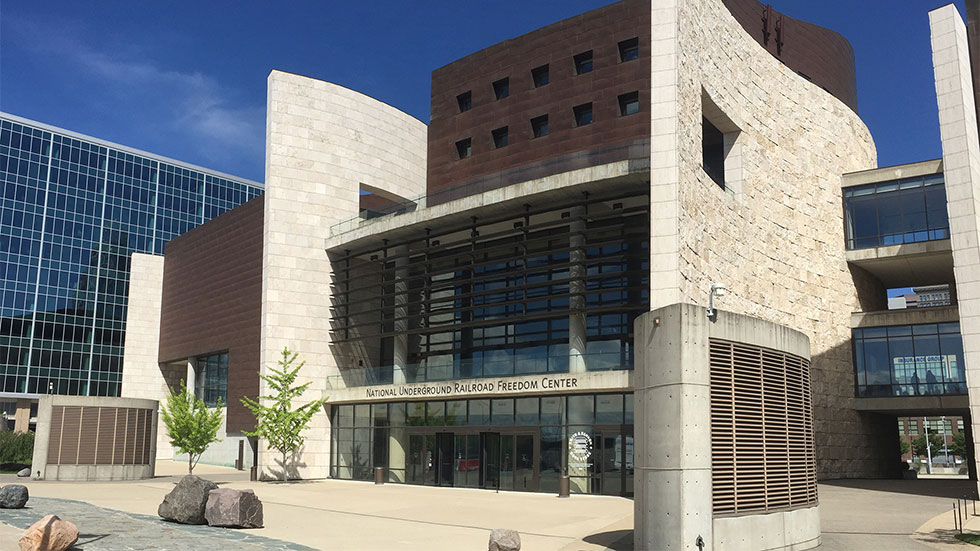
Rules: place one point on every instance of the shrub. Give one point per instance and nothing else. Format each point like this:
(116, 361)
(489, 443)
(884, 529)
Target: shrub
(16, 447)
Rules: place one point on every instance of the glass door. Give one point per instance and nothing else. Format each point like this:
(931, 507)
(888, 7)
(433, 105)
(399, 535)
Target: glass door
(415, 465)
(525, 477)
(490, 460)
(445, 442)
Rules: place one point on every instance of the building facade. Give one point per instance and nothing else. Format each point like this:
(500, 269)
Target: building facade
(515, 293)
(74, 209)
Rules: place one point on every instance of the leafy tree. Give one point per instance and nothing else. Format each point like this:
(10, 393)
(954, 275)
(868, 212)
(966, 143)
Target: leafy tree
(935, 441)
(16, 448)
(903, 446)
(278, 423)
(958, 445)
(192, 426)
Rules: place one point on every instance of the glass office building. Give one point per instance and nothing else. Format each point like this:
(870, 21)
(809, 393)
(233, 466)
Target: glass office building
(73, 210)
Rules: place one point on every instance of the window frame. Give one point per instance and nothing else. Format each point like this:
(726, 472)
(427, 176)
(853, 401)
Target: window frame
(540, 76)
(539, 126)
(580, 112)
(580, 60)
(629, 49)
(501, 88)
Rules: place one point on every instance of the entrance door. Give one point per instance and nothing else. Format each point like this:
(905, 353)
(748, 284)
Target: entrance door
(525, 475)
(612, 462)
(490, 460)
(445, 442)
(415, 467)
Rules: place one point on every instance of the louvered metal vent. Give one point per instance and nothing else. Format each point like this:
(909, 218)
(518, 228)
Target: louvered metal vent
(99, 436)
(762, 455)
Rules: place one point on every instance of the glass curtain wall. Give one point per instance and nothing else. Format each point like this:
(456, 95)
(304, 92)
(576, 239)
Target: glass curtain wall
(909, 360)
(495, 443)
(896, 212)
(497, 298)
(71, 214)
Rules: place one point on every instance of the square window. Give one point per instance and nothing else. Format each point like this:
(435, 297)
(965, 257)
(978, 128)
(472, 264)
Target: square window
(713, 152)
(583, 63)
(499, 137)
(465, 101)
(629, 103)
(583, 114)
(501, 88)
(539, 126)
(629, 49)
(464, 148)
(540, 76)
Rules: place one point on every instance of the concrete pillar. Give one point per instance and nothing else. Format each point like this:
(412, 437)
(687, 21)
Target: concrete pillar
(22, 416)
(971, 461)
(672, 455)
(400, 340)
(191, 378)
(576, 319)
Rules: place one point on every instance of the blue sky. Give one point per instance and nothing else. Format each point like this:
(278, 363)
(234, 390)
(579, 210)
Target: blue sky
(187, 79)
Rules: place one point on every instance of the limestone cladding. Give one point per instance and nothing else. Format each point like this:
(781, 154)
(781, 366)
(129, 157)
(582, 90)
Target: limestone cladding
(142, 377)
(776, 239)
(322, 142)
(961, 167)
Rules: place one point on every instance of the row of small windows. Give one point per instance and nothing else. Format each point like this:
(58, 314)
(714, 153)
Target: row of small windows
(583, 63)
(629, 104)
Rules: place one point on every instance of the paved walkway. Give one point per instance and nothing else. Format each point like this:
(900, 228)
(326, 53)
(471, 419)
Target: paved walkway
(857, 515)
(107, 530)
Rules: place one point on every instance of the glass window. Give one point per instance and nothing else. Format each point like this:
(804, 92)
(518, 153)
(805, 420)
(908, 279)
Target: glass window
(211, 373)
(551, 410)
(583, 114)
(397, 417)
(416, 414)
(581, 409)
(629, 49)
(479, 412)
(379, 413)
(435, 414)
(456, 413)
(896, 212)
(362, 415)
(345, 416)
(501, 88)
(539, 126)
(629, 103)
(526, 411)
(465, 101)
(609, 409)
(583, 63)
(502, 411)
(539, 75)
(909, 360)
(499, 137)
(464, 148)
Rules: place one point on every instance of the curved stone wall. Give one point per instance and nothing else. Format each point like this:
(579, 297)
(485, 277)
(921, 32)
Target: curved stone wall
(773, 235)
(323, 142)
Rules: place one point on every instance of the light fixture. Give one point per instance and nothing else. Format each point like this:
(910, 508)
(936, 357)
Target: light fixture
(715, 290)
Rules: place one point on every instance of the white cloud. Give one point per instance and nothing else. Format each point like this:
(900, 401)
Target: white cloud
(192, 107)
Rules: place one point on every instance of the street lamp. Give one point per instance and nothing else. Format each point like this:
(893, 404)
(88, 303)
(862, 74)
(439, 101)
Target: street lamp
(715, 290)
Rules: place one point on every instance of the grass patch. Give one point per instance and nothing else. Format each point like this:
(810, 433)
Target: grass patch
(969, 538)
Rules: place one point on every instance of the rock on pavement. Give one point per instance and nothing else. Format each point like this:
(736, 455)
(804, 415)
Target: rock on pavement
(49, 534)
(13, 496)
(233, 508)
(504, 540)
(185, 503)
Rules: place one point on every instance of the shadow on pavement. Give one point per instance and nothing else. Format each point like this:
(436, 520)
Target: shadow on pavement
(616, 540)
(948, 488)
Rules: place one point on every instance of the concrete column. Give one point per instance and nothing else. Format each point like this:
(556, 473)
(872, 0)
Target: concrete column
(22, 416)
(400, 340)
(971, 461)
(576, 320)
(191, 379)
(672, 454)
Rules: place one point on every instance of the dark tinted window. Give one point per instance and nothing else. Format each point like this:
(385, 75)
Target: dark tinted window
(539, 75)
(539, 126)
(629, 49)
(501, 88)
(465, 101)
(583, 63)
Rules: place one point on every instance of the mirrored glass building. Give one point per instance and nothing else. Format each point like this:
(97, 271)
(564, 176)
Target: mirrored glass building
(73, 210)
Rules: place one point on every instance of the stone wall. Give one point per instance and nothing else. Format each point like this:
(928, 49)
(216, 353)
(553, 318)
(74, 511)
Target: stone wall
(142, 376)
(775, 240)
(322, 142)
(961, 168)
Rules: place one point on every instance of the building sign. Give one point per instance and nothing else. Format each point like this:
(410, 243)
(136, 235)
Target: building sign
(579, 450)
(454, 388)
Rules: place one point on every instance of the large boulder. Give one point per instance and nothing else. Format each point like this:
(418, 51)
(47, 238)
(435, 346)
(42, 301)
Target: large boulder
(504, 540)
(233, 509)
(13, 496)
(49, 534)
(185, 503)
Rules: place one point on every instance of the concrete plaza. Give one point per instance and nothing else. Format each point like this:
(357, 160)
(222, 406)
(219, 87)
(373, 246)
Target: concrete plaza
(329, 514)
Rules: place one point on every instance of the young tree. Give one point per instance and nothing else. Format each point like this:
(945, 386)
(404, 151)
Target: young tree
(935, 444)
(958, 446)
(278, 423)
(192, 426)
(903, 446)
